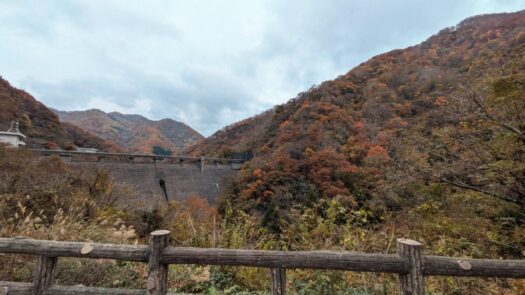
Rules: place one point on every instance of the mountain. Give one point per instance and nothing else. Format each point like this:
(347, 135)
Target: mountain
(447, 112)
(134, 133)
(41, 126)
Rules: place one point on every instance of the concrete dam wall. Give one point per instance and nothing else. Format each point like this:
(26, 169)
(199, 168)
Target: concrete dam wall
(156, 184)
(157, 180)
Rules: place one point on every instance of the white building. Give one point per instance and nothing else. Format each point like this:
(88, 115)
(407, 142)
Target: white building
(12, 136)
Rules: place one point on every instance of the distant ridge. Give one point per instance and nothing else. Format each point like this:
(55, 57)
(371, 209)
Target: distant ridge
(134, 133)
(41, 125)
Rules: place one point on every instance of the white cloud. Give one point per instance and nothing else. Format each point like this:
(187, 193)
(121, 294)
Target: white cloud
(206, 63)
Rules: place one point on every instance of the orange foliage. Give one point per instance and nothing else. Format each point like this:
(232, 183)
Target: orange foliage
(377, 152)
(440, 100)
(328, 169)
(41, 126)
(199, 209)
(258, 173)
(337, 138)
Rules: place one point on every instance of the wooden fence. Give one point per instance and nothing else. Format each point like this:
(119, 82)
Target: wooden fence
(408, 263)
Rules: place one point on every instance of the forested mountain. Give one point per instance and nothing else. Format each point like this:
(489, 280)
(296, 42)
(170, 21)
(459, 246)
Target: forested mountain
(134, 133)
(436, 129)
(426, 143)
(41, 125)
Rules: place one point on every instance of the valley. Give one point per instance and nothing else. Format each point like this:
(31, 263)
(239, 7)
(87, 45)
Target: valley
(425, 143)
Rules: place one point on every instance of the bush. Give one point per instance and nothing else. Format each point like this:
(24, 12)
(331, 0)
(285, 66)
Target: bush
(158, 150)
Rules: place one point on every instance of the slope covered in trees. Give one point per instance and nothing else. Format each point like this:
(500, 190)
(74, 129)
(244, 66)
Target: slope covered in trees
(407, 133)
(41, 125)
(134, 133)
(425, 143)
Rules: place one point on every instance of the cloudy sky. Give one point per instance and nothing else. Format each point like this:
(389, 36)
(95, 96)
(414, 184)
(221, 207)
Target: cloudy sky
(206, 63)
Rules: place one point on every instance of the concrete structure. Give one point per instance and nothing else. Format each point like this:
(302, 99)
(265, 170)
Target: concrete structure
(86, 150)
(157, 184)
(12, 136)
(158, 180)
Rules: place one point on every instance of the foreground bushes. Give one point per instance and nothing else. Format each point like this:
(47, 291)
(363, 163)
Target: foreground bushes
(42, 198)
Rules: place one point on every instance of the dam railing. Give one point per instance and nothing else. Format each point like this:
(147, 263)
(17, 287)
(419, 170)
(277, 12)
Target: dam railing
(134, 158)
(410, 265)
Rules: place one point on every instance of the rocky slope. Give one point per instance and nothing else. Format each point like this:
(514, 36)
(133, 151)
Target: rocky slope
(134, 133)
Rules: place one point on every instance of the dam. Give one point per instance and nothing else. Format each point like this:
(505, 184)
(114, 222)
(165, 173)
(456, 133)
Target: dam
(157, 180)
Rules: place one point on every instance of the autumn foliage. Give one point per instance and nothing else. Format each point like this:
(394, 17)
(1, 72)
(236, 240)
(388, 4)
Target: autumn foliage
(425, 143)
(374, 138)
(41, 125)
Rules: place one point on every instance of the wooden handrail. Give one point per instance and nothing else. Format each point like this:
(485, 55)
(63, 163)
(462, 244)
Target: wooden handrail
(408, 263)
(26, 288)
(74, 249)
(460, 267)
(341, 260)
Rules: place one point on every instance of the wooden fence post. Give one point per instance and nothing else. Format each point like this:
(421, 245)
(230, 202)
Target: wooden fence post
(411, 283)
(43, 277)
(157, 283)
(278, 281)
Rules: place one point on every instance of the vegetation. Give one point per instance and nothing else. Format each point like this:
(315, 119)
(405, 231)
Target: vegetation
(46, 199)
(425, 143)
(43, 198)
(158, 150)
(133, 133)
(41, 125)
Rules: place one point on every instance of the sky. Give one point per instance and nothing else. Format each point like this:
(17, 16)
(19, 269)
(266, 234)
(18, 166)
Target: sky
(206, 63)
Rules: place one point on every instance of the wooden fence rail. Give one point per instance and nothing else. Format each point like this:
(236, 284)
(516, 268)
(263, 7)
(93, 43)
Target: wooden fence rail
(408, 263)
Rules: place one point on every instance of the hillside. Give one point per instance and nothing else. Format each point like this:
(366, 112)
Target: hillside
(134, 133)
(404, 134)
(41, 125)
(408, 76)
(425, 143)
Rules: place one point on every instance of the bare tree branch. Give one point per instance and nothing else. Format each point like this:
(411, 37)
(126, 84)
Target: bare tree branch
(475, 99)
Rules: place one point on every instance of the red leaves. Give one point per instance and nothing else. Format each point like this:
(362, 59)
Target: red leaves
(359, 125)
(377, 152)
(327, 168)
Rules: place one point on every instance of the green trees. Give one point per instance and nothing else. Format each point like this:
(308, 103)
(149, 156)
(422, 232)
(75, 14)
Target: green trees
(158, 150)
